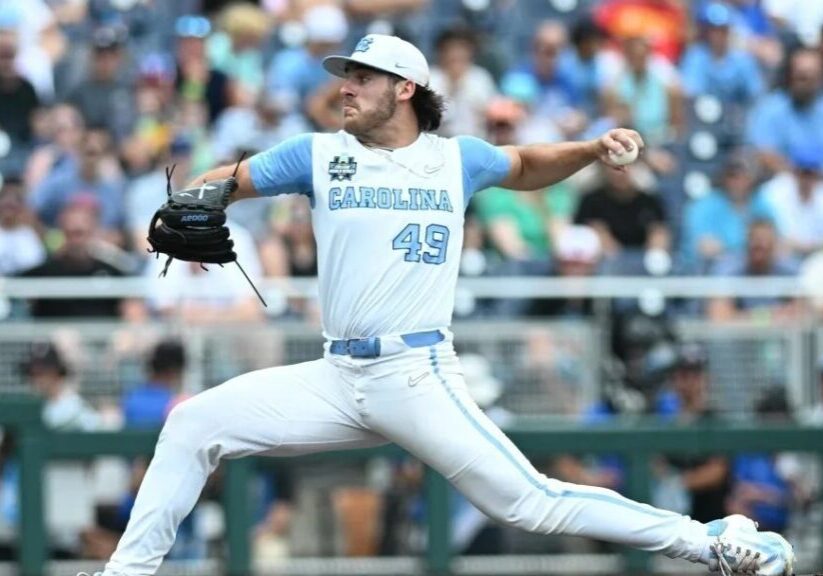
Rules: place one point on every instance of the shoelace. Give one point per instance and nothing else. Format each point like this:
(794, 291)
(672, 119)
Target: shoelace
(744, 560)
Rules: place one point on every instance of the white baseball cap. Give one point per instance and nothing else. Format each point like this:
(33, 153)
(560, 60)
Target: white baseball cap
(386, 53)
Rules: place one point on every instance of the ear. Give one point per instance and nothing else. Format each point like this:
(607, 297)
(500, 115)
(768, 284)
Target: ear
(405, 90)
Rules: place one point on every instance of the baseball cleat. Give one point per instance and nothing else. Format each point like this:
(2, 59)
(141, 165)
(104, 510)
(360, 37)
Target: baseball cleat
(739, 548)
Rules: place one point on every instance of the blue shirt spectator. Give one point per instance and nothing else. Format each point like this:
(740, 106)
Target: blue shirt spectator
(790, 119)
(296, 73)
(712, 66)
(77, 178)
(715, 226)
(767, 493)
(760, 259)
(557, 95)
(148, 405)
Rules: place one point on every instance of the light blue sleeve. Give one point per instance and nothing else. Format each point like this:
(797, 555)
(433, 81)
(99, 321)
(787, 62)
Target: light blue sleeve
(484, 165)
(285, 168)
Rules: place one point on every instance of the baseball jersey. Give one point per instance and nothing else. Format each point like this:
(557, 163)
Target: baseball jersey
(388, 223)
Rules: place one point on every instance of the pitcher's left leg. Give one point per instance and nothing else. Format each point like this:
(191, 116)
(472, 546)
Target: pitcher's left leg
(437, 421)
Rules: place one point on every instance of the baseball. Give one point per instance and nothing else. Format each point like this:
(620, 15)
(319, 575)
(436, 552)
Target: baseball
(627, 157)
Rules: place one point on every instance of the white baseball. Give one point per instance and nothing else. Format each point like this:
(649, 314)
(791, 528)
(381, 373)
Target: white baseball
(627, 157)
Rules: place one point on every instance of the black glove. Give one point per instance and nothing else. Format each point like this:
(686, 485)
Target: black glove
(191, 224)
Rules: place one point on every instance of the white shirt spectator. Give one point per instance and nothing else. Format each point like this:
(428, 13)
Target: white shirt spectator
(465, 101)
(20, 249)
(225, 286)
(802, 17)
(797, 220)
(31, 18)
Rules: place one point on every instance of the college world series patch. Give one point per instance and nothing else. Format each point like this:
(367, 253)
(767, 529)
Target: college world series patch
(342, 168)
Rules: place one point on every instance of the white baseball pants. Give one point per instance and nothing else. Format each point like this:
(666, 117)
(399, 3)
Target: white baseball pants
(417, 399)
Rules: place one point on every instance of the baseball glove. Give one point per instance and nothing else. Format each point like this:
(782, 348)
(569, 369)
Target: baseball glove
(191, 225)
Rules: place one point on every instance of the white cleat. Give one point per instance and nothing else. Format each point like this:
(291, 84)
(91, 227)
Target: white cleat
(739, 548)
(87, 574)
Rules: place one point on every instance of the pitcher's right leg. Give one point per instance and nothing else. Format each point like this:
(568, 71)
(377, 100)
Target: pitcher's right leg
(281, 411)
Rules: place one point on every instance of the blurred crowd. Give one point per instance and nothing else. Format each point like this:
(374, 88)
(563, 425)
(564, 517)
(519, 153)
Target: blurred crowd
(101, 96)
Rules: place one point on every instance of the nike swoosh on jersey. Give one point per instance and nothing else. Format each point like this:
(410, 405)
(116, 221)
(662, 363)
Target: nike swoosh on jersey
(415, 381)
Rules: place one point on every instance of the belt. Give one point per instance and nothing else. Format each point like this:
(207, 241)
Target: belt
(371, 347)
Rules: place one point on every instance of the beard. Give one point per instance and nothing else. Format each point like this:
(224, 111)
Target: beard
(367, 122)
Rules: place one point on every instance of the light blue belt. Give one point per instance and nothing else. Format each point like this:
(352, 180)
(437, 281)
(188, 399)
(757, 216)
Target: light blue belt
(370, 347)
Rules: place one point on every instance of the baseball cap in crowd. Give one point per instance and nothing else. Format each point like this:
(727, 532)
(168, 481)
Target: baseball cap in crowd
(109, 37)
(325, 23)
(192, 26)
(715, 14)
(386, 53)
(808, 157)
(578, 244)
(691, 355)
(44, 355)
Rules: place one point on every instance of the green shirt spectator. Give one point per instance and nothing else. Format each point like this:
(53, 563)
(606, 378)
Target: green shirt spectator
(521, 224)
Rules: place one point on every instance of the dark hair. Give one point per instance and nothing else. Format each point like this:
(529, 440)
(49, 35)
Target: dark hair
(428, 106)
(457, 33)
(586, 28)
(167, 356)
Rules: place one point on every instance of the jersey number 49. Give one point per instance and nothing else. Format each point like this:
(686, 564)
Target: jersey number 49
(436, 242)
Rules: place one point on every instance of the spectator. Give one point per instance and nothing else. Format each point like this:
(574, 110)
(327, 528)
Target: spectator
(197, 80)
(147, 406)
(147, 192)
(587, 63)
(557, 96)
(236, 51)
(20, 246)
(759, 489)
(105, 98)
(41, 42)
(466, 86)
(65, 410)
(577, 254)
(760, 259)
(229, 298)
(643, 97)
(17, 94)
(83, 177)
(254, 128)
(753, 31)
(296, 73)
(796, 199)
(520, 225)
(154, 114)
(628, 220)
(83, 253)
(290, 251)
(715, 226)
(63, 135)
(704, 479)
(712, 65)
(792, 118)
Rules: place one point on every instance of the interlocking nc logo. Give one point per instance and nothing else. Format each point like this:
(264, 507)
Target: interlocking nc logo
(364, 44)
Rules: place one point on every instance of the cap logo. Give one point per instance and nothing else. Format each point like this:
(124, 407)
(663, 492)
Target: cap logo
(364, 45)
